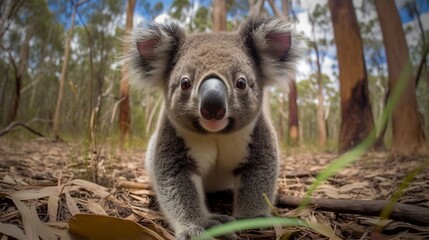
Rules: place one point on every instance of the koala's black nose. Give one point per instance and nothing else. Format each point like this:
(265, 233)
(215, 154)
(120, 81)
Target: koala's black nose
(213, 97)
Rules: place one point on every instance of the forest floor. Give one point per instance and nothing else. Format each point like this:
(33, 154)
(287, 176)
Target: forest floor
(43, 183)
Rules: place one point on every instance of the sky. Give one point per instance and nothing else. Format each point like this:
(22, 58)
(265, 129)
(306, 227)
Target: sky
(423, 6)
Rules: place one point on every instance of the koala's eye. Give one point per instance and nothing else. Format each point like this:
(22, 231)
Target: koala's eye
(241, 83)
(185, 83)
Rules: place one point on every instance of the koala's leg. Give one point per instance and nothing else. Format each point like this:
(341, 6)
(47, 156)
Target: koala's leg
(178, 187)
(258, 175)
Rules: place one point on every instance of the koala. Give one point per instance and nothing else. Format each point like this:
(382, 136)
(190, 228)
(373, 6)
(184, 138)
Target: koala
(213, 133)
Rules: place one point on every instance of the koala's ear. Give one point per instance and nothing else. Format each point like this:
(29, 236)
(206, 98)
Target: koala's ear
(150, 53)
(272, 43)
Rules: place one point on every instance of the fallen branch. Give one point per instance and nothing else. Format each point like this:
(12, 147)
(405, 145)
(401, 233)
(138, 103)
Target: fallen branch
(132, 185)
(400, 212)
(300, 174)
(15, 124)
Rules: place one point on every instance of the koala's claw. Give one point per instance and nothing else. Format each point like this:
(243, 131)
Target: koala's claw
(196, 230)
(190, 232)
(217, 219)
(222, 218)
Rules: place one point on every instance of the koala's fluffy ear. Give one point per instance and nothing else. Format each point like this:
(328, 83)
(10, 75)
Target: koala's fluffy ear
(150, 53)
(272, 43)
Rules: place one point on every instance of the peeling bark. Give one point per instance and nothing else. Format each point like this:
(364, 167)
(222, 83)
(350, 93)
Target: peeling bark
(356, 116)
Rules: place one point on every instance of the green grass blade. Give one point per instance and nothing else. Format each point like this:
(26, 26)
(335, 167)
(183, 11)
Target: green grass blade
(247, 224)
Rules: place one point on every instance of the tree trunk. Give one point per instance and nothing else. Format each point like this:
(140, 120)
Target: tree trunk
(379, 143)
(2, 92)
(356, 115)
(408, 136)
(321, 125)
(293, 124)
(273, 6)
(56, 120)
(285, 7)
(293, 115)
(16, 99)
(219, 16)
(423, 62)
(124, 106)
(20, 71)
(256, 9)
(281, 118)
(100, 79)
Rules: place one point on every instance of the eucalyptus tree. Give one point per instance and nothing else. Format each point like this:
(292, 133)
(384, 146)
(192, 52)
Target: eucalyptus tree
(356, 115)
(319, 20)
(408, 135)
(124, 91)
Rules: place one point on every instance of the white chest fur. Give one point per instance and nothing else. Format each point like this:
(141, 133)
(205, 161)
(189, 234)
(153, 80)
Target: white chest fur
(217, 156)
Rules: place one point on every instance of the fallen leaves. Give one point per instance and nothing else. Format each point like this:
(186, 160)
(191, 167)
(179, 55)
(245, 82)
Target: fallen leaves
(33, 227)
(12, 231)
(41, 193)
(322, 226)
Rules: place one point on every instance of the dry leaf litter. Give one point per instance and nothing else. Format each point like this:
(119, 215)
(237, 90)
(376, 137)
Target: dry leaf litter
(44, 183)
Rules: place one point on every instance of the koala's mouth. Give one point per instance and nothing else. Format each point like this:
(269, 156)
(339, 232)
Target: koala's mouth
(213, 125)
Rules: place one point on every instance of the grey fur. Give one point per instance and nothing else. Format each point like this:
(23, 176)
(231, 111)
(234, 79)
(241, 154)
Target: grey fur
(184, 159)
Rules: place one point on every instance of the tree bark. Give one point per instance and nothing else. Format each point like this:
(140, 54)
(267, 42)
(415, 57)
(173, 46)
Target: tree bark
(100, 78)
(281, 128)
(273, 6)
(20, 70)
(293, 123)
(407, 130)
(285, 7)
(356, 114)
(219, 16)
(56, 120)
(321, 125)
(2, 90)
(423, 62)
(124, 106)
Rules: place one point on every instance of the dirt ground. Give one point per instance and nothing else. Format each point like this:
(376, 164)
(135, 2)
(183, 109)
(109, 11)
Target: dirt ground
(56, 180)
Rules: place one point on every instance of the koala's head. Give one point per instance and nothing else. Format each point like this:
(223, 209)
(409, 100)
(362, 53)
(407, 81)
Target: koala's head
(212, 83)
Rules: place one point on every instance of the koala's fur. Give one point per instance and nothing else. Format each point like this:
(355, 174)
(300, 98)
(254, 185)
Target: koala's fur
(185, 159)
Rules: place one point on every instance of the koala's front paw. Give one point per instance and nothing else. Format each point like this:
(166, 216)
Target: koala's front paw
(190, 232)
(194, 230)
(217, 219)
(221, 218)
